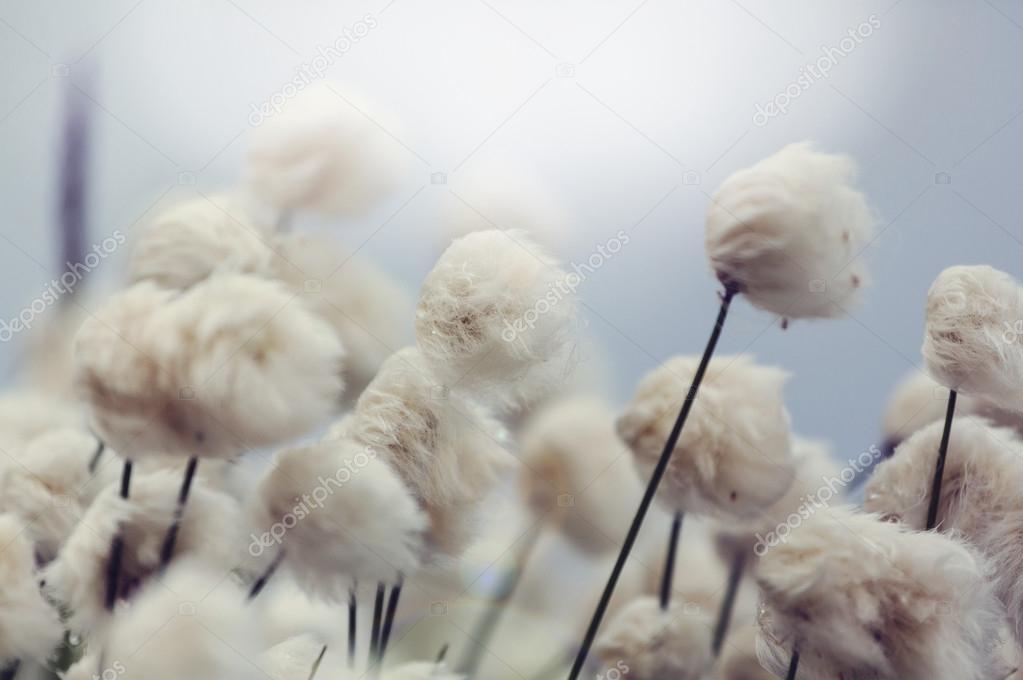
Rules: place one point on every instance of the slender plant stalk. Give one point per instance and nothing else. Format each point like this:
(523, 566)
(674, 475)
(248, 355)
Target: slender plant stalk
(728, 602)
(316, 664)
(117, 545)
(442, 654)
(939, 468)
(488, 623)
(651, 489)
(94, 463)
(793, 665)
(171, 539)
(353, 609)
(10, 670)
(374, 633)
(392, 610)
(260, 583)
(669, 563)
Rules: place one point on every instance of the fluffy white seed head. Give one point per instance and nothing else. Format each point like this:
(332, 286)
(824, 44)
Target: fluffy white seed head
(196, 239)
(233, 362)
(30, 628)
(971, 340)
(577, 473)
(495, 317)
(324, 152)
(446, 449)
(292, 659)
(370, 311)
(342, 515)
(979, 495)
(734, 456)
(656, 644)
(866, 598)
(184, 627)
(209, 531)
(24, 415)
(787, 231)
(44, 486)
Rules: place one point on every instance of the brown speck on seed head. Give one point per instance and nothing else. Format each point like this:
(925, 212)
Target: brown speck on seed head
(855, 281)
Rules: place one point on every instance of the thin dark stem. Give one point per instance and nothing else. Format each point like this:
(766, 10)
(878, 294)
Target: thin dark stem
(793, 665)
(442, 654)
(374, 633)
(117, 545)
(651, 489)
(316, 664)
(353, 609)
(261, 582)
(728, 603)
(94, 463)
(939, 468)
(392, 610)
(669, 563)
(171, 539)
(484, 631)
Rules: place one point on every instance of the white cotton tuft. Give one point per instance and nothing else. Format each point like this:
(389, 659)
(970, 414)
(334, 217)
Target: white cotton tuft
(495, 317)
(234, 362)
(980, 498)
(788, 232)
(44, 486)
(196, 239)
(341, 515)
(209, 530)
(655, 644)
(24, 415)
(370, 311)
(30, 629)
(865, 598)
(818, 483)
(577, 473)
(447, 449)
(327, 151)
(292, 659)
(193, 624)
(972, 342)
(734, 456)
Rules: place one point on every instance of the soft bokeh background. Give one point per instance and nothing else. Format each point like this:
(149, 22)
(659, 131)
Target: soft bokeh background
(625, 114)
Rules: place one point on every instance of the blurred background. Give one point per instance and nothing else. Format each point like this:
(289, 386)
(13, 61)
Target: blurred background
(600, 117)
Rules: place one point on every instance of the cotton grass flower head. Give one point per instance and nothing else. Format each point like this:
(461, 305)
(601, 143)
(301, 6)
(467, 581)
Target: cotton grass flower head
(184, 628)
(734, 456)
(231, 363)
(655, 644)
(970, 340)
(44, 486)
(208, 531)
(495, 317)
(26, 414)
(326, 152)
(368, 309)
(787, 232)
(196, 239)
(575, 474)
(866, 598)
(341, 515)
(980, 498)
(30, 628)
(448, 451)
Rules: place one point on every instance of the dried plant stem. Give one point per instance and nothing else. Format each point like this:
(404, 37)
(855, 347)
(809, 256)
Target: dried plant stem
(170, 540)
(353, 610)
(939, 467)
(793, 665)
(260, 583)
(392, 610)
(651, 489)
(669, 562)
(728, 602)
(117, 545)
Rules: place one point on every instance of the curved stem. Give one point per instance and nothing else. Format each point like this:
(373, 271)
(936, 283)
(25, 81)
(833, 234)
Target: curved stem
(939, 468)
